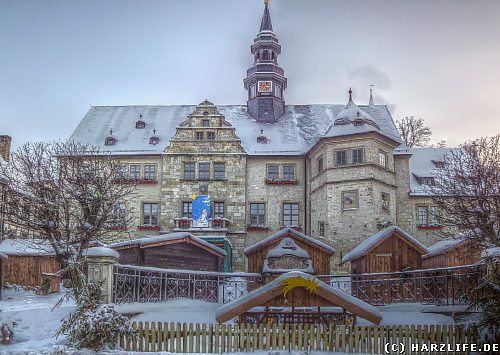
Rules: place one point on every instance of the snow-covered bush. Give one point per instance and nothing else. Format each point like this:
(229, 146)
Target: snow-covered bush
(6, 331)
(487, 325)
(94, 325)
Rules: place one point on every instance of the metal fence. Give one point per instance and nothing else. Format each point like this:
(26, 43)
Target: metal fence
(442, 286)
(147, 284)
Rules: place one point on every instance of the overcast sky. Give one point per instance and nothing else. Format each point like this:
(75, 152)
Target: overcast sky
(439, 60)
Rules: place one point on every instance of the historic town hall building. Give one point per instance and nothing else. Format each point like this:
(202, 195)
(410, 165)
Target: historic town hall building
(237, 173)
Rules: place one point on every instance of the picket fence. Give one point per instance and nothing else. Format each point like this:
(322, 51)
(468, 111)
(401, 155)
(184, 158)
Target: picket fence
(221, 338)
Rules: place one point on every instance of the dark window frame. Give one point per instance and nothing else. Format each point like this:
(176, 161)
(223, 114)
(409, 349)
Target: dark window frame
(188, 172)
(133, 173)
(257, 213)
(150, 215)
(149, 172)
(291, 214)
(187, 209)
(219, 174)
(286, 174)
(275, 175)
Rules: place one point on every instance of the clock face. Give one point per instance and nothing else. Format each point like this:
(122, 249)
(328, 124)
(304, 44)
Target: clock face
(265, 86)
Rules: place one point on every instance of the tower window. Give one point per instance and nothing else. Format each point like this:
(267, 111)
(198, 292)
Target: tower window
(357, 155)
(110, 141)
(319, 163)
(341, 157)
(382, 158)
(321, 229)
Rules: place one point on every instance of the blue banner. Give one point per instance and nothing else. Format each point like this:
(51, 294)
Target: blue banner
(201, 211)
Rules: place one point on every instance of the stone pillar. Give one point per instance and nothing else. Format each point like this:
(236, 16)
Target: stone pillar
(5, 147)
(100, 262)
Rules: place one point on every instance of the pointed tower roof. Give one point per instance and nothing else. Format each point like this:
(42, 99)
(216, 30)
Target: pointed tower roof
(266, 24)
(371, 103)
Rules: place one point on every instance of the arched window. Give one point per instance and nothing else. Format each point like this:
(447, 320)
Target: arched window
(266, 55)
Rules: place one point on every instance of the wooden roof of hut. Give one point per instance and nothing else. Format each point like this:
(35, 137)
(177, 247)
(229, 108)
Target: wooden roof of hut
(289, 231)
(279, 287)
(168, 239)
(376, 239)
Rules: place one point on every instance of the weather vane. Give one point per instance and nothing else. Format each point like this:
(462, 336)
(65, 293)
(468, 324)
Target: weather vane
(266, 2)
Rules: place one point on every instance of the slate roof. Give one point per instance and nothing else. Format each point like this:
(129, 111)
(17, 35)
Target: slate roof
(422, 165)
(294, 134)
(368, 244)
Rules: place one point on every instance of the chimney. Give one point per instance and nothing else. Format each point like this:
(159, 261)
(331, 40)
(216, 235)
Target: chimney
(5, 147)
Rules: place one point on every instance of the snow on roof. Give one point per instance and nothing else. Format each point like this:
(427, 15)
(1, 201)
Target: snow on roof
(101, 251)
(443, 246)
(491, 252)
(294, 133)
(3, 256)
(26, 247)
(366, 245)
(287, 247)
(263, 294)
(143, 242)
(422, 165)
(285, 231)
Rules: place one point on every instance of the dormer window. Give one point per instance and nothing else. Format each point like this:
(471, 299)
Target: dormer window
(427, 180)
(262, 139)
(140, 124)
(154, 140)
(110, 141)
(438, 164)
(205, 113)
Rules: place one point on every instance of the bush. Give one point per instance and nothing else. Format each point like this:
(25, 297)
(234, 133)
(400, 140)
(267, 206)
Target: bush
(6, 332)
(94, 325)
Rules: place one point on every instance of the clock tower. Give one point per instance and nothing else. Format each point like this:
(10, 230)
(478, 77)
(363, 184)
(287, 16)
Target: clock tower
(265, 81)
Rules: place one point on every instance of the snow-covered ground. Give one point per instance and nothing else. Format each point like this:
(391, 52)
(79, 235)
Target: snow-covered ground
(36, 322)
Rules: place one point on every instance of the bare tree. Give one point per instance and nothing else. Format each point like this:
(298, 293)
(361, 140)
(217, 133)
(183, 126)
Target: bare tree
(414, 132)
(467, 189)
(67, 192)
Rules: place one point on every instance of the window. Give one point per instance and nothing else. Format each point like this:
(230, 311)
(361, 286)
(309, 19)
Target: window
(357, 156)
(321, 229)
(121, 171)
(382, 158)
(422, 215)
(189, 171)
(203, 171)
(154, 140)
(341, 157)
(140, 124)
(110, 141)
(319, 163)
(218, 209)
(187, 209)
(211, 136)
(434, 215)
(199, 136)
(288, 172)
(291, 214)
(205, 123)
(427, 181)
(135, 172)
(219, 171)
(150, 214)
(350, 200)
(385, 202)
(149, 172)
(273, 172)
(257, 214)
(117, 218)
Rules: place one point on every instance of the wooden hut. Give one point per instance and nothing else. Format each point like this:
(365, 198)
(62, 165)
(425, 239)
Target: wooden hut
(31, 262)
(3, 260)
(389, 250)
(288, 250)
(297, 297)
(180, 250)
(452, 252)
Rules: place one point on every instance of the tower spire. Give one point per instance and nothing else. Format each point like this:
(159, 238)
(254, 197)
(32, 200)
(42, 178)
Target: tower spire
(350, 94)
(371, 103)
(265, 81)
(266, 24)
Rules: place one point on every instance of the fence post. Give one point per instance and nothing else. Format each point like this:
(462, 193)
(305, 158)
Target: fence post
(100, 262)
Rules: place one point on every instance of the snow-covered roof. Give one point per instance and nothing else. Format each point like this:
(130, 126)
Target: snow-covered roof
(269, 291)
(294, 133)
(491, 252)
(285, 231)
(101, 251)
(26, 247)
(152, 240)
(368, 244)
(3, 256)
(422, 165)
(287, 247)
(443, 246)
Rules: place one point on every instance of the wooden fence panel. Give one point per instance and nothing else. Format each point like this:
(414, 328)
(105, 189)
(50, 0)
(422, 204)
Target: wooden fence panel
(202, 338)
